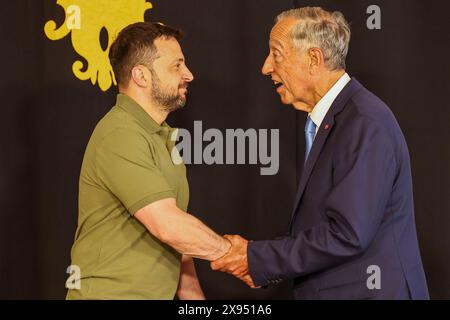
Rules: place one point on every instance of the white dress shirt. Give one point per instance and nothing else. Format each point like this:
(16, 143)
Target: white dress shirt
(320, 110)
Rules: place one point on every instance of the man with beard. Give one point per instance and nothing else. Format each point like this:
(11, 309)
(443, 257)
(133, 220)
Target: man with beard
(134, 238)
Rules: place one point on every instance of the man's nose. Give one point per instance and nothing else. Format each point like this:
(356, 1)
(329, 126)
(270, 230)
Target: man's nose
(188, 76)
(267, 68)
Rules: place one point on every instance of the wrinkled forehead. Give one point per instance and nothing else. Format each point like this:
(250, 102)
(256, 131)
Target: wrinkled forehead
(281, 32)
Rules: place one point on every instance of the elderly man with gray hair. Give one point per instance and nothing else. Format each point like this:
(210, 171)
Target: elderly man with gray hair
(352, 234)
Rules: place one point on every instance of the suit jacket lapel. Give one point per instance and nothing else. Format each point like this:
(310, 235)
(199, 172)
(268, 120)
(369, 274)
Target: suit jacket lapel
(322, 134)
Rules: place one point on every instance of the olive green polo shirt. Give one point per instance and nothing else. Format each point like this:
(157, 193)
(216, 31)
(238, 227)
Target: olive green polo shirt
(127, 165)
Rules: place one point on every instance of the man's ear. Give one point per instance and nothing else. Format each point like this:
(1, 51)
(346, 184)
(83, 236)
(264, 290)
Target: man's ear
(141, 76)
(316, 60)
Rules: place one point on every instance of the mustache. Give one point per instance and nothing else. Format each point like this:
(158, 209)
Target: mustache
(183, 86)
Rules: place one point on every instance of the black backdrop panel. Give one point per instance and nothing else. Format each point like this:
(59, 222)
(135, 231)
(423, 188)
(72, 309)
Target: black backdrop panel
(405, 64)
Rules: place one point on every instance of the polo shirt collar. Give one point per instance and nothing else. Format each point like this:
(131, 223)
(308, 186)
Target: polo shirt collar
(132, 107)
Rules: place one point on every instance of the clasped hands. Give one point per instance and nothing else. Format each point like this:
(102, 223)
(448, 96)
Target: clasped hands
(235, 262)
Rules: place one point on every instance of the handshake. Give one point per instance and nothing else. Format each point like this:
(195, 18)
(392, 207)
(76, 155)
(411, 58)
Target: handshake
(235, 262)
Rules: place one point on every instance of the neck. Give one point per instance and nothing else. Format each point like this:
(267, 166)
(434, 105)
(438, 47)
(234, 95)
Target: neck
(320, 89)
(155, 112)
(328, 82)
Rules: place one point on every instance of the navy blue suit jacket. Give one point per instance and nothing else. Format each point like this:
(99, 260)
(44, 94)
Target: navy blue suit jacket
(354, 209)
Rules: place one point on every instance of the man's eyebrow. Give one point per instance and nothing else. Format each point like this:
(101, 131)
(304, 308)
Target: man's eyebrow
(178, 60)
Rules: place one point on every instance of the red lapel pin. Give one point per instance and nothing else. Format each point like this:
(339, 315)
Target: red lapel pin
(327, 126)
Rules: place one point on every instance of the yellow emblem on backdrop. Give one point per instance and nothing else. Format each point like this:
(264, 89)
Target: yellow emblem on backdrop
(85, 19)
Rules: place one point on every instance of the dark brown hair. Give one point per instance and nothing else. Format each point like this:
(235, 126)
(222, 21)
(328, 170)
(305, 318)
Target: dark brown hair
(134, 45)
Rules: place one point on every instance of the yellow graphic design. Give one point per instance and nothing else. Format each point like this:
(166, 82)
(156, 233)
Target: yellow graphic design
(85, 19)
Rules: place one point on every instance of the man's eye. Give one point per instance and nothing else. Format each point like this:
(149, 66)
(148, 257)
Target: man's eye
(277, 56)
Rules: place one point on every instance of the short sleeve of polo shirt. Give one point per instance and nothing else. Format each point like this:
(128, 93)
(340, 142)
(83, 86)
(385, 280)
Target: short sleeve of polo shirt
(125, 165)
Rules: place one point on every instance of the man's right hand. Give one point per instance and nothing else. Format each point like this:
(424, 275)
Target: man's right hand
(235, 261)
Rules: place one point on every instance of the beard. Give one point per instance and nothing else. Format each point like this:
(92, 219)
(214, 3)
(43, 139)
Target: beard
(168, 99)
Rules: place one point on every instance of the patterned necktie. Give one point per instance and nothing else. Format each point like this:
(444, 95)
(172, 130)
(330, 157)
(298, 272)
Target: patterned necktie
(310, 132)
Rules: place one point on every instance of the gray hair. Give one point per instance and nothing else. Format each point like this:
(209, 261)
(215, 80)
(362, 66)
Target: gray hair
(316, 27)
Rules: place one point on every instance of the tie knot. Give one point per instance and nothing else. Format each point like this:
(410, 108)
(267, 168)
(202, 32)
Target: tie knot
(310, 126)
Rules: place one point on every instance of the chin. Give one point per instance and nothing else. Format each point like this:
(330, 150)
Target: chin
(286, 98)
(286, 101)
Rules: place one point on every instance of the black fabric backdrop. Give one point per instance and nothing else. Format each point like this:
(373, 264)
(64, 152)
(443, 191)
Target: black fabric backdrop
(48, 115)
